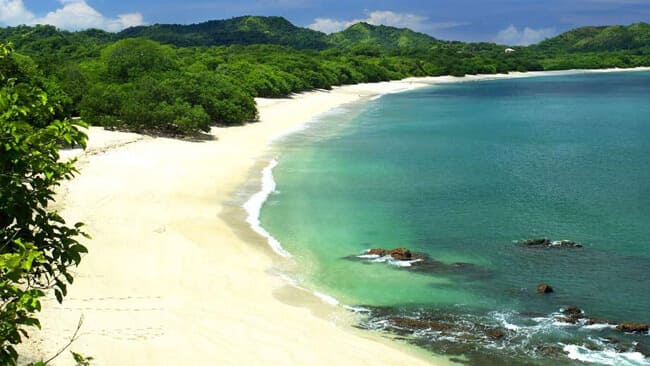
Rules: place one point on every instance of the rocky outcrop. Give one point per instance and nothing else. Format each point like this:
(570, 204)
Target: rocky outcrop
(571, 315)
(592, 321)
(547, 243)
(419, 324)
(495, 333)
(405, 259)
(565, 244)
(464, 332)
(633, 327)
(536, 243)
(400, 254)
(378, 251)
(544, 288)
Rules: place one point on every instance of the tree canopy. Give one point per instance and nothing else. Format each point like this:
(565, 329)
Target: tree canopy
(37, 248)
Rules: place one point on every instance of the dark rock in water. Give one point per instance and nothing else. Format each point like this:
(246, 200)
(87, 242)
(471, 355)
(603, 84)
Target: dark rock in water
(592, 347)
(536, 243)
(458, 348)
(495, 333)
(572, 311)
(420, 262)
(564, 319)
(592, 321)
(400, 254)
(550, 351)
(571, 315)
(546, 243)
(543, 288)
(461, 264)
(378, 251)
(419, 324)
(565, 244)
(633, 327)
(642, 348)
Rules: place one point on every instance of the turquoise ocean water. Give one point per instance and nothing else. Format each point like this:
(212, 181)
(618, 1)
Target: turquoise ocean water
(460, 173)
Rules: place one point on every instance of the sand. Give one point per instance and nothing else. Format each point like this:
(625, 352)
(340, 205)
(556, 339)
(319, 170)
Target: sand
(175, 276)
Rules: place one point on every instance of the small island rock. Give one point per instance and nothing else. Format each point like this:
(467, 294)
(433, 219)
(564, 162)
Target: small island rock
(543, 288)
(633, 327)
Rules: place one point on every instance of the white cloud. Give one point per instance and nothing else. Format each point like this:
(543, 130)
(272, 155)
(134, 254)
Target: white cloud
(72, 15)
(384, 17)
(14, 12)
(328, 25)
(515, 37)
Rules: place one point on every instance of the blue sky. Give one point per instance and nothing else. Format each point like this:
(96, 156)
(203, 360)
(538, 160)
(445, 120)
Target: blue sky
(504, 21)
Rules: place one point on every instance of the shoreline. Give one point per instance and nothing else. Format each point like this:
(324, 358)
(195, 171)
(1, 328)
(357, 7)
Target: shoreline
(175, 273)
(264, 176)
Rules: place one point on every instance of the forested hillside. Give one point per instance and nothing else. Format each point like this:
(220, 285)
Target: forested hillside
(182, 79)
(246, 30)
(600, 39)
(364, 34)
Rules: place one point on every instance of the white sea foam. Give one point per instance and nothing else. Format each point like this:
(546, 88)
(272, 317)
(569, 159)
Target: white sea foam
(357, 309)
(503, 319)
(253, 208)
(254, 205)
(599, 326)
(375, 258)
(284, 134)
(403, 263)
(396, 91)
(605, 357)
(369, 256)
(309, 123)
(327, 298)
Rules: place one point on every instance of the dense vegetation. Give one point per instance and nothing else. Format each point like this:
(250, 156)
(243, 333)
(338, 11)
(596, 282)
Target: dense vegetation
(182, 79)
(364, 35)
(245, 30)
(37, 248)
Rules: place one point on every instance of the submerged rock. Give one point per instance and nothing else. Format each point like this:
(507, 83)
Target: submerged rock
(550, 350)
(495, 333)
(565, 244)
(378, 251)
(571, 315)
(543, 288)
(633, 327)
(547, 243)
(405, 259)
(400, 254)
(419, 324)
(536, 243)
(642, 348)
(461, 264)
(592, 321)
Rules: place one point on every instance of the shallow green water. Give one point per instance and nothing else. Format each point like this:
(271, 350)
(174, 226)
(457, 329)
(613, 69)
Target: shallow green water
(459, 172)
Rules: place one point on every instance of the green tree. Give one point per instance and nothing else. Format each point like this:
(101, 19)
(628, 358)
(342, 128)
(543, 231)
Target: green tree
(131, 58)
(37, 248)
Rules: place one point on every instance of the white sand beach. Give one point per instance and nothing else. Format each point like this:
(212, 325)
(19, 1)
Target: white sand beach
(174, 274)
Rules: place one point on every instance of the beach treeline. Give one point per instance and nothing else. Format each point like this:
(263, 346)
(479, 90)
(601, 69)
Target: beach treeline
(183, 79)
